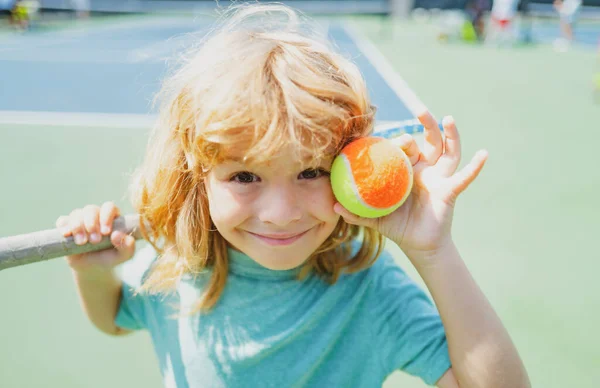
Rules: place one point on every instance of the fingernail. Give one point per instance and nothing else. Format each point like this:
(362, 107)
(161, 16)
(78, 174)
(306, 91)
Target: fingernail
(79, 238)
(105, 229)
(95, 237)
(448, 120)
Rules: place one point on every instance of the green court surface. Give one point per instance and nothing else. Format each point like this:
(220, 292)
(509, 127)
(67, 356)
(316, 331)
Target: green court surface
(527, 228)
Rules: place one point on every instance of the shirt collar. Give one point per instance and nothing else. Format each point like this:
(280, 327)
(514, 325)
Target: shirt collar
(241, 264)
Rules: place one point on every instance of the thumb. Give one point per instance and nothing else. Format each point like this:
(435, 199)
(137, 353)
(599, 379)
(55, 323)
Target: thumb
(124, 247)
(462, 179)
(352, 218)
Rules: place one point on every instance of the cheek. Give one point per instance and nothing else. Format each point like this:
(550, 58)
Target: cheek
(321, 200)
(226, 208)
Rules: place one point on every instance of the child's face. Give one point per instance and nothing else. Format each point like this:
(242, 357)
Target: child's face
(277, 213)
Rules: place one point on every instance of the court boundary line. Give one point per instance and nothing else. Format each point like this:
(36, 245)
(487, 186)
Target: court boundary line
(386, 70)
(110, 120)
(78, 119)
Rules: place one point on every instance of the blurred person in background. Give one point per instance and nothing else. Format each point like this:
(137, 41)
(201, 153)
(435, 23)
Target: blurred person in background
(81, 8)
(23, 13)
(475, 10)
(501, 29)
(451, 25)
(461, 25)
(18, 16)
(567, 11)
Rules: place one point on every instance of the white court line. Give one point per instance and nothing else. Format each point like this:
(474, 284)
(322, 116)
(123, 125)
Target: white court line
(383, 66)
(77, 119)
(116, 120)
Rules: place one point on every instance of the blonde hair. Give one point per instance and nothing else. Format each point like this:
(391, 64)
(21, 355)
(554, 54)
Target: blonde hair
(264, 78)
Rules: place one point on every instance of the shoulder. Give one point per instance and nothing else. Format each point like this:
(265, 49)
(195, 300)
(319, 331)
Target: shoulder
(388, 274)
(388, 281)
(384, 264)
(134, 271)
(384, 275)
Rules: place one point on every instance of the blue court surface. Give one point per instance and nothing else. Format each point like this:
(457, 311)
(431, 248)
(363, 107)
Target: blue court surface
(116, 68)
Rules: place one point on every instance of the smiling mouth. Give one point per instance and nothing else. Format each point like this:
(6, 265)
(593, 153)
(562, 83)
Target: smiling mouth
(279, 239)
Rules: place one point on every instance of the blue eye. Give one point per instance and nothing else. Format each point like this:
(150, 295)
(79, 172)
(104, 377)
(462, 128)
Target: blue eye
(244, 177)
(313, 173)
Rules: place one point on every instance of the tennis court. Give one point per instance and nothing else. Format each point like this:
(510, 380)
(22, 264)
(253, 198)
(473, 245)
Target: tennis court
(76, 106)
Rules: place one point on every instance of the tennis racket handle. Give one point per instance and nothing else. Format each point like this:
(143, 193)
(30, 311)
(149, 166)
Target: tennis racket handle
(49, 244)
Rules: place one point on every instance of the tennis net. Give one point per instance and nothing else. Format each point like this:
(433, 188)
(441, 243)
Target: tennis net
(205, 6)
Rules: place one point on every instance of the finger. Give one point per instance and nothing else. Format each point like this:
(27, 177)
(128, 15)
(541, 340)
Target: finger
(450, 160)
(123, 249)
(410, 147)
(124, 244)
(433, 146)
(91, 222)
(77, 227)
(108, 212)
(62, 224)
(462, 179)
(352, 218)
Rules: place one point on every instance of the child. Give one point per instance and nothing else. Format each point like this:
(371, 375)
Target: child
(256, 276)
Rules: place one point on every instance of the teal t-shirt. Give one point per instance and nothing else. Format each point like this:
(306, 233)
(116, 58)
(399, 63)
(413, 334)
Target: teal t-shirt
(271, 330)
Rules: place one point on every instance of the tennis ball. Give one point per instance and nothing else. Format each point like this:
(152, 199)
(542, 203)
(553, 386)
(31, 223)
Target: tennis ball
(371, 177)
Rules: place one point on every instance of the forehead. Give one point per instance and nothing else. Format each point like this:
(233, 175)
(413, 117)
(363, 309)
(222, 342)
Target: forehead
(286, 156)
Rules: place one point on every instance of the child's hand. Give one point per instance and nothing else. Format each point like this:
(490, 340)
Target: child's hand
(90, 225)
(422, 225)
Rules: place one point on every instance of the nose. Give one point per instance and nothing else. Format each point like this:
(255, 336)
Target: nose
(280, 205)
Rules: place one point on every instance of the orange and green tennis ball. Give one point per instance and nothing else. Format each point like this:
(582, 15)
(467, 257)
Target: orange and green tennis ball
(371, 177)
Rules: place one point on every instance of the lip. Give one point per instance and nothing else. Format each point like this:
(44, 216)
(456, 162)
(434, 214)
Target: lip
(279, 239)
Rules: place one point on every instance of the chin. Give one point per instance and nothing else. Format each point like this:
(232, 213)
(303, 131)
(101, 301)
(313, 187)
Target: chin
(280, 261)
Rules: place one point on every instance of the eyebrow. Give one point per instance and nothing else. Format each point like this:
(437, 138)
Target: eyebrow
(234, 160)
(305, 161)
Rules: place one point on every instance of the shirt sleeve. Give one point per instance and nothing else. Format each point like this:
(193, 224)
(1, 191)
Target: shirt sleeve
(134, 306)
(407, 327)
